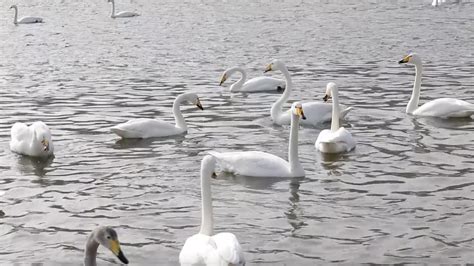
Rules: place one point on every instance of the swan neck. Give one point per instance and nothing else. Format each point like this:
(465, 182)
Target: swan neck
(207, 168)
(415, 95)
(276, 110)
(293, 144)
(112, 15)
(90, 252)
(15, 18)
(335, 110)
(178, 116)
(239, 83)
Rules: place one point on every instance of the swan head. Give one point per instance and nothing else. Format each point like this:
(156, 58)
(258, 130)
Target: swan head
(412, 58)
(45, 144)
(330, 87)
(13, 6)
(194, 99)
(107, 237)
(297, 109)
(275, 65)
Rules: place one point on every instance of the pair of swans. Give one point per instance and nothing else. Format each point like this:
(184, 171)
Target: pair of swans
(443, 107)
(24, 20)
(107, 237)
(34, 140)
(123, 14)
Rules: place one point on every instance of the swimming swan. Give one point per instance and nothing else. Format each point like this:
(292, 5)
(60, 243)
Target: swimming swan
(24, 20)
(152, 128)
(443, 107)
(204, 248)
(123, 14)
(34, 140)
(262, 164)
(337, 139)
(315, 112)
(252, 85)
(106, 237)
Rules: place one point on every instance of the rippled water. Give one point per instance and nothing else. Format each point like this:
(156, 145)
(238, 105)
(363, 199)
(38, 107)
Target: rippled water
(405, 195)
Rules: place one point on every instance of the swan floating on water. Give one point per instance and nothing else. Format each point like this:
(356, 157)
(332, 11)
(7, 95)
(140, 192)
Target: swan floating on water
(204, 248)
(34, 140)
(123, 14)
(315, 112)
(24, 20)
(252, 85)
(262, 164)
(337, 139)
(152, 128)
(107, 237)
(437, 2)
(443, 107)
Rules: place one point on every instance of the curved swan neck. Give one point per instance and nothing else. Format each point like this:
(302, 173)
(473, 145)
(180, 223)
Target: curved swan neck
(112, 15)
(239, 83)
(293, 143)
(178, 116)
(207, 168)
(90, 252)
(415, 95)
(335, 110)
(15, 18)
(276, 110)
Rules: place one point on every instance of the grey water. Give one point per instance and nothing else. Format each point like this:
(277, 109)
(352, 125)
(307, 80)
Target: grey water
(404, 195)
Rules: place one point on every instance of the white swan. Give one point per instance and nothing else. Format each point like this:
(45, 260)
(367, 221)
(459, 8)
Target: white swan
(337, 139)
(252, 85)
(152, 128)
(443, 107)
(123, 14)
(437, 2)
(204, 248)
(34, 140)
(106, 237)
(262, 164)
(24, 20)
(315, 112)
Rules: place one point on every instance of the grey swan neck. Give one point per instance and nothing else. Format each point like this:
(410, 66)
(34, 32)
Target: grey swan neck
(90, 253)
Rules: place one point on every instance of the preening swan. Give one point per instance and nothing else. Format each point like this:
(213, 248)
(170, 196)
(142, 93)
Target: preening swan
(24, 20)
(252, 85)
(106, 237)
(443, 107)
(123, 14)
(337, 139)
(151, 128)
(262, 164)
(315, 112)
(34, 140)
(204, 248)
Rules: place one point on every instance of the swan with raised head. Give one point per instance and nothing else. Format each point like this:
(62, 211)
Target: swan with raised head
(107, 237)
(337, 139)
(123, 14)
(315, 112)
(252, 85)
(34, 140)
(442, 107)
(262, 164)
(152, 128)
(24, 20)
(204, 248)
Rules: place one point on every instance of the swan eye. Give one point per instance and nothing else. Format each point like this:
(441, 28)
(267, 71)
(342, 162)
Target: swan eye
(108, 237)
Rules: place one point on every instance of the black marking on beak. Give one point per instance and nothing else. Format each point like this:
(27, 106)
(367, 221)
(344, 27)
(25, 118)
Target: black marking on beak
(326, 98)
(199, 106)
(214, 175)
(303, 117)
(122, 257)
(402, 61)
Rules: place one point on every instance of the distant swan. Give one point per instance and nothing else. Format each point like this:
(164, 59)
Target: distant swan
(107, 237)
(437, 2)
(24, 20)
(443, 107)
(204, 248)
(315, 112)
(252, 85)
(123, 14)
(34, 140)
(337, 139)
(150, 128)
(262, 164)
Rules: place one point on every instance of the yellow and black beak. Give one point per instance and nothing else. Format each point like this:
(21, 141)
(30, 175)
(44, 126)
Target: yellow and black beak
(115, 248)
(45, 143)
(269, 68)
(405, 60)
(299, 111)
(198, 104)
(326, 98)
(223, 79)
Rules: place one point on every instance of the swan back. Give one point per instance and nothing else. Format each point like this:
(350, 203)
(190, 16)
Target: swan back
(34, 140)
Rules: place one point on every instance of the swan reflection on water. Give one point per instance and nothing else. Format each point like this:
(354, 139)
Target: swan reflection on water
(35, 165)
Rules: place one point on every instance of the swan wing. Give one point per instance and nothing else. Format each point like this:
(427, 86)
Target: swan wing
(229, 248)
(27, 20)
(145, 128)
(252, 163)
(20, 132)
(126, 14)
(263, 84)
(317, 112)
(445, 108)
(197, 250)
(334, 142)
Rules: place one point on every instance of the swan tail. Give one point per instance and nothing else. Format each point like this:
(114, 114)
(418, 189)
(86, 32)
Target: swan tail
(345, 112)
(18, 130)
